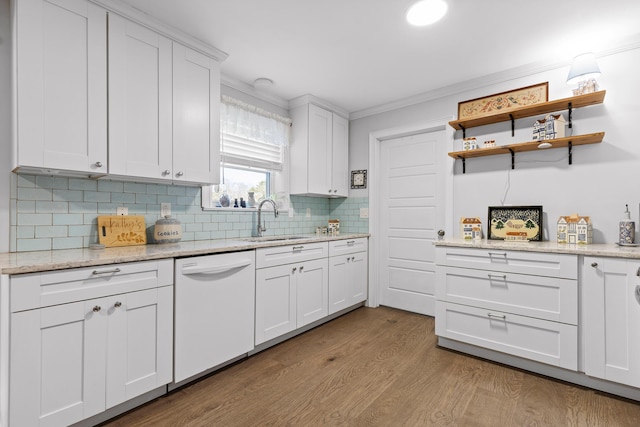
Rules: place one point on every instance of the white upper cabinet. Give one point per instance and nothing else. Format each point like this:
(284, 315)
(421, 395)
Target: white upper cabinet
(319, 152)
(196, 117)
(162, 97)
(140, 101)
(61, 86)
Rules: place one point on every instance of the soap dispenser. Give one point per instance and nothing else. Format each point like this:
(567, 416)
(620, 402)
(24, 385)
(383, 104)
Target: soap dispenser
(627, 229)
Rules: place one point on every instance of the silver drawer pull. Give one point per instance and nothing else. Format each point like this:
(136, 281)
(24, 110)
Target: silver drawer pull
(497, 316)
(504, 254)
(297, 248)
(497, 276)
(115, 270)
(351, 243)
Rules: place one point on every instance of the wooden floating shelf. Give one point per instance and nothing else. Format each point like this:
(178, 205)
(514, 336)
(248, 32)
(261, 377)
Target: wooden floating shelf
(532, 110)
(590, 138)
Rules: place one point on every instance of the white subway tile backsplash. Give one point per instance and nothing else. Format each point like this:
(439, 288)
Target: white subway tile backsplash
(58, 213)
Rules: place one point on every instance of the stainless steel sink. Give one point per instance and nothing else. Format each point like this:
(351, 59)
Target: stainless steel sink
(273, 238)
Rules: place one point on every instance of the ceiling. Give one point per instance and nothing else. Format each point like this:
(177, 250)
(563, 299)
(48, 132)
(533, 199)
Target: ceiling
(360, 54)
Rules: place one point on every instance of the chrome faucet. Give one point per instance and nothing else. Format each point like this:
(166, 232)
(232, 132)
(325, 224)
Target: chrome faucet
(261, 227)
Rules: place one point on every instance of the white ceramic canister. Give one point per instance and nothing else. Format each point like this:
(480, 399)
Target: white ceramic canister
(167, 230)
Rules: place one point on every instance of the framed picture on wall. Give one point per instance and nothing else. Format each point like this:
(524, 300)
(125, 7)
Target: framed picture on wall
(515, 223)
(359, 179)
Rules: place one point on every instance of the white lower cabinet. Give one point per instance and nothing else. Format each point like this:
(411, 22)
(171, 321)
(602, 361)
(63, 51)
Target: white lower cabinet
(348, 273)
(289, 294)
(75, 359)
(611, 321)
(509, 302)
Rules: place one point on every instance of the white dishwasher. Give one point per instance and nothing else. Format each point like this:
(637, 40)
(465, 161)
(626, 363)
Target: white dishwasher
(214, 311)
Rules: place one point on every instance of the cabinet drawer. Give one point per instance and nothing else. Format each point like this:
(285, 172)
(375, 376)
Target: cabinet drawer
(536, 263)
(541, 340)
(280, 255)
(350, 246)
(547, 298)
(36, 290)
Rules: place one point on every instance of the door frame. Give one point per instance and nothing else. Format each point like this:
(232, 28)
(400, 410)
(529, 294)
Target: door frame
(375, 139)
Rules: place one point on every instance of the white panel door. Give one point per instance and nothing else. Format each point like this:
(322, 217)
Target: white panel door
(340, 157)
(62, 85)
(140, 101)
(196, 117)
(611, 301)
(319, 160)
(275, 302)
(140, 344)
(312, 294)
(57, 362)
(411, 212)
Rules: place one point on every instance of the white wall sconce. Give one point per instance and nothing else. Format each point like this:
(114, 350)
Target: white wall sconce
(584, 70)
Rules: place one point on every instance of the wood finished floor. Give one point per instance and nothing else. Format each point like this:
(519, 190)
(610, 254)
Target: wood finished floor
(378, 367)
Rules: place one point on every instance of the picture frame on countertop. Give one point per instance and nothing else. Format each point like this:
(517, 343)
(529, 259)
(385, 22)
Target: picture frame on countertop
(504, 101)
(515, 223)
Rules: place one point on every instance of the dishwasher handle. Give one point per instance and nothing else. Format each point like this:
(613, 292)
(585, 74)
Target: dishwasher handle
(214, 269)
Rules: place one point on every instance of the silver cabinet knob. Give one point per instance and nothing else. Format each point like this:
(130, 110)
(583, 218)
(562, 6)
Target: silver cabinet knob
(301, 268)
(329, 190)
(335, 191)
(166, 172)
(293, 270)
(353, 258)
(97, 308)
(594, 264)
(180, 173)
(117, 304)
(98, 164)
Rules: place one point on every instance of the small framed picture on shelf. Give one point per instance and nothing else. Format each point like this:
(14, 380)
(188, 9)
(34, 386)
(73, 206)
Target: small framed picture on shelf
(359, 178)
(515, 223)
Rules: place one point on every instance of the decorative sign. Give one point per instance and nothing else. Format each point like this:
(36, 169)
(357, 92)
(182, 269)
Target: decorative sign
(359, 179)
(505, 101)
(122, 230)
(515, 223)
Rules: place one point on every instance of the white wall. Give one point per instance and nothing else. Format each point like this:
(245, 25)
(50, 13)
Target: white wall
(603, 178)
(5, 122)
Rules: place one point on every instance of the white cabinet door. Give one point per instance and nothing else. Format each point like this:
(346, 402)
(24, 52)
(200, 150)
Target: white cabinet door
(196, 117)
(319, 152)
(275, 302)
(319, 161)
(611, 298)
(140, 101)
(348, 279)
(139, 343)
(312, 283)
(340, 156)
(58, 364)
(61, 85)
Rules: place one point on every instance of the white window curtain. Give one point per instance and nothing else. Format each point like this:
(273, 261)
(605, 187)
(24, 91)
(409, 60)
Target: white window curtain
(255, 138)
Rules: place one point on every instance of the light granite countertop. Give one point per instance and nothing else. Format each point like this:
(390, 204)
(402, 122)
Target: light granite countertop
(600, 249)
(37, 261)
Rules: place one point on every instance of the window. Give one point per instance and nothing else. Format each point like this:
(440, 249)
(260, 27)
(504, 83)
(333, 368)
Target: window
(254, 157)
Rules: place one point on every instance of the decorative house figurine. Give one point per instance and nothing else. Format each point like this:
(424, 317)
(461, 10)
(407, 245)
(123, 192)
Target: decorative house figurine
(554, 126)
(575, 229)
(469, 143)
(470, 228)
(539, 129)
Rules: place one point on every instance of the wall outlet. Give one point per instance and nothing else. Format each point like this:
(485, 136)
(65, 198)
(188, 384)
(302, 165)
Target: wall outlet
(308, 212)
(165, 209)
(364, 212)
(122, 211)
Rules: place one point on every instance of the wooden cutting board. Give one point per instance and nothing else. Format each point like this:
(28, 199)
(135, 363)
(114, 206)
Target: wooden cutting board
(122, 230)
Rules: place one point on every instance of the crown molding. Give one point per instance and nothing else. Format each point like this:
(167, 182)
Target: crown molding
(311, 99)
(630, 43)
(173, 33)
(251, 91)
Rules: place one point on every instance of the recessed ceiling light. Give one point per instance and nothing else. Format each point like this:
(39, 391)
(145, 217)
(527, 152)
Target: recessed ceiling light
(262, 83)
(426, 12)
